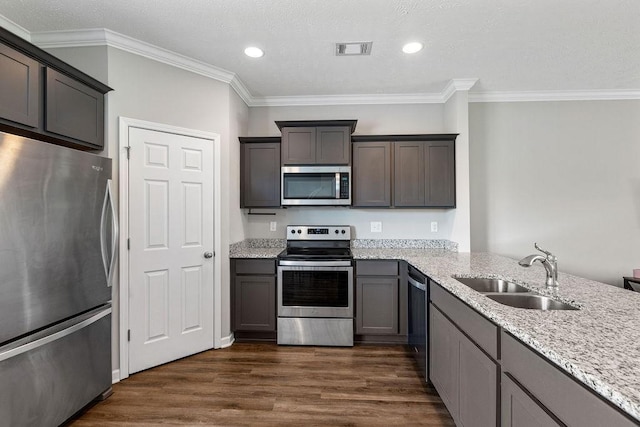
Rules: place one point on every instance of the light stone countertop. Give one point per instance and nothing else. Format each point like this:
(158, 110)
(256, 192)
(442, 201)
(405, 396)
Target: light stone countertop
(599, 345)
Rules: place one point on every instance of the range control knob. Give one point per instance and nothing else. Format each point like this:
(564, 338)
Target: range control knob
(293, 231)
(299, 231)
(343, 232)
(336, 231)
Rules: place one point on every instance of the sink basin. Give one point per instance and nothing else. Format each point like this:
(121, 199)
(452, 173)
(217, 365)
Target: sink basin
(535, 302)
(491, 285)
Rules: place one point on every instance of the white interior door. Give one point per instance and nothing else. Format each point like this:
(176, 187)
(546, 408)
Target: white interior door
(171, 239)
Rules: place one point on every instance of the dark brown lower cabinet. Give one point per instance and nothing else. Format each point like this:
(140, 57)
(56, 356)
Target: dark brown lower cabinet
(552, 391)
(381, 301)
(519, 409)
(253, 295)
(462, 365)
(377, 304)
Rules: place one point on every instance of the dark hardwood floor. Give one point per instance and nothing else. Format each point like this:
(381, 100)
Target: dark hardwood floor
(266, 384)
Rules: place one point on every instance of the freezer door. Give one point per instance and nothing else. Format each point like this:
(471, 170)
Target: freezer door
(51, 221)
(49, 376)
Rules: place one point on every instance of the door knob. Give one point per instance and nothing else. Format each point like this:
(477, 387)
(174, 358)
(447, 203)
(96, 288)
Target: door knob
(208, 255)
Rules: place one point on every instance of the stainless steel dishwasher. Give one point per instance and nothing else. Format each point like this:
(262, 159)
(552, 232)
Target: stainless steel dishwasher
(418, 328)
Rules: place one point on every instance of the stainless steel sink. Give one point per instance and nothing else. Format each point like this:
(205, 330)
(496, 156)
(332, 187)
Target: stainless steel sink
(530, 301)
(485, 285)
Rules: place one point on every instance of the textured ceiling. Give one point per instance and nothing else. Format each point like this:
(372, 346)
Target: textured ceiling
(510, 45)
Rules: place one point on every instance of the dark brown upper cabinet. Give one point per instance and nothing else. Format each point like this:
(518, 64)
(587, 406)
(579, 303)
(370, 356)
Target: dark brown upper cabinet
(412, 171)
(319, 142)
(260, 172)
(424, 174)
(73, 109)
(19, 87)
(45, 98)
(371, 174)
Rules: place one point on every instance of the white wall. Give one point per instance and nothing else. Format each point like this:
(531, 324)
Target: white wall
(372, 120)
(563, 174)
(456, 120)
(148, 90)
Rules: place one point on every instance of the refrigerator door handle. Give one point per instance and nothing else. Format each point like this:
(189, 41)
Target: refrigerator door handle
(108, 260)
(55, 335)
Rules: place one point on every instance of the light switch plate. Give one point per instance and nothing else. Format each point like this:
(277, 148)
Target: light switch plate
(434, 226)
(273, 226)
(376, 226)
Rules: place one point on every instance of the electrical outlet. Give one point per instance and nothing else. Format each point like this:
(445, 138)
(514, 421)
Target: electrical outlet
(434, 226)
(273, 226)
(376, 226)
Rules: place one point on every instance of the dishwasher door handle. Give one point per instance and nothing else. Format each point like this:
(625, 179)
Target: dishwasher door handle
(413, 282)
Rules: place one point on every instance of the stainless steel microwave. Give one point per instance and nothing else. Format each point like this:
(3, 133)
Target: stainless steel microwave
(316, 186)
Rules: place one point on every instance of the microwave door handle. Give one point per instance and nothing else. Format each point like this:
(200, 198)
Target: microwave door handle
(337, 185)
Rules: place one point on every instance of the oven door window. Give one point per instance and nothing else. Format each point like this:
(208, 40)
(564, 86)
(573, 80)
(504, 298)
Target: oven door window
(309, 186)
(315, 288)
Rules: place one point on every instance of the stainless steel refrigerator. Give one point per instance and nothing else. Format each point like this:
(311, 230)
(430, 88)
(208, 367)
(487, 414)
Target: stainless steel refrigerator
(57, 253)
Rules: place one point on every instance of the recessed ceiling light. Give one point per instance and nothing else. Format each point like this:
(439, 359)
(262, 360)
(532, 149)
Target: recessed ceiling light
(412, 47)
(253, 52)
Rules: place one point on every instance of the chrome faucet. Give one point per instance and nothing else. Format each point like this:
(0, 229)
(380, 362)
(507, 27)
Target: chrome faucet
(549, 261)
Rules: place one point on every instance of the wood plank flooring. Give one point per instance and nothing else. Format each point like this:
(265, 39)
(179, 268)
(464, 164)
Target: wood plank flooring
(251, 384)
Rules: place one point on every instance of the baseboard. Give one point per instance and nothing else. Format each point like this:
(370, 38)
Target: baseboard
(115, 376)
(227, 341)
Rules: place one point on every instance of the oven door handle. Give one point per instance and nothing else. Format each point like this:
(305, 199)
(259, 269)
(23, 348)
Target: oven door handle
(315, 263)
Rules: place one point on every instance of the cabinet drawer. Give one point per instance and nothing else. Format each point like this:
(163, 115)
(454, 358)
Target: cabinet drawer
(377, 268)
(570, 401)
(479, 329)
(255, 266)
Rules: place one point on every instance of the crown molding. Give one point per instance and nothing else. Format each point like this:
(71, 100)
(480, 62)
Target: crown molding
(287, 101)
(542, 96)
(455, 85)
(15, 28)
(105, 37)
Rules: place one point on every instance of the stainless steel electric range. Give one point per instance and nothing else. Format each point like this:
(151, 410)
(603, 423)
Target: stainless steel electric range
(315, 287)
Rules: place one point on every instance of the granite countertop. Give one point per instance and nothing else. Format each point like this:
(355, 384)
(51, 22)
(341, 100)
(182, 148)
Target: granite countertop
(599, 345)
(257, 248)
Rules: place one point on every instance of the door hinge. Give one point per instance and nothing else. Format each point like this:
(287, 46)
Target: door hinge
(128, 151)
(128, 334)
(128, 244)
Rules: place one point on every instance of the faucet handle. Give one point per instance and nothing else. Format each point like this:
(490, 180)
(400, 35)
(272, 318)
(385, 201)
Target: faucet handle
(549, 255)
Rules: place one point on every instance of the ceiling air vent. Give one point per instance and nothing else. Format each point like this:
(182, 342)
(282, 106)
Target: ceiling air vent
(353, 48)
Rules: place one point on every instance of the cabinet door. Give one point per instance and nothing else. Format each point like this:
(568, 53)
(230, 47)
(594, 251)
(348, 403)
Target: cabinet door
(260, 174)
(377, 305)
(298, 145)
(333, 145)
(478, 384)
(409, 174)
(19, 87)
(520, 410)
(444, 358)
(440, 177)
(372, 174)
(255, 303)
(73, 109)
